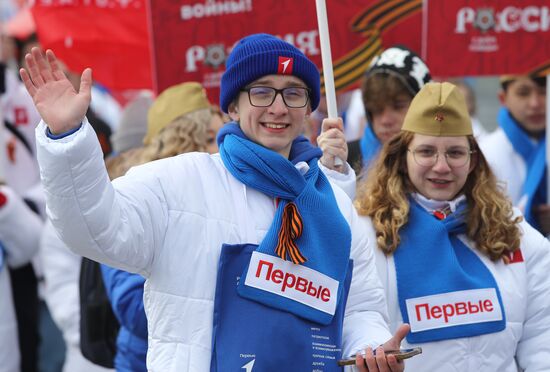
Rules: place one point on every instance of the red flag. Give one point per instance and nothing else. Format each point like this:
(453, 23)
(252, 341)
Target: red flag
(192, 38)
(110, 36)
(489, 37)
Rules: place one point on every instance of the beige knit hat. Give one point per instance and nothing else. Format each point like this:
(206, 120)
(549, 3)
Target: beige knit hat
(172, 103)
(439, 109)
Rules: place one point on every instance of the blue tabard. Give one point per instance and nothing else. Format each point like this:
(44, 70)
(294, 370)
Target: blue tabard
(249, 336)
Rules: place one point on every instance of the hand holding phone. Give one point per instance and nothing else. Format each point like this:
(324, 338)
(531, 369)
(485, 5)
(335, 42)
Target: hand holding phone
(401, 354)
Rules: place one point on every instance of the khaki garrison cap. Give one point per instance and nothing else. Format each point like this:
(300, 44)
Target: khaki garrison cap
(439, 109)
(172, 103)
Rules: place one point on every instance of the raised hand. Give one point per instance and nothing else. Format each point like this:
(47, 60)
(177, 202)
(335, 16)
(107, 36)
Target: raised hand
(382, 362)
(60, 106)
(334, 146)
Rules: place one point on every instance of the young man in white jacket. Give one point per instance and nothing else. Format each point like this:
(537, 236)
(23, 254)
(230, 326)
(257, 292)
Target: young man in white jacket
(246, 254)
(516, 151)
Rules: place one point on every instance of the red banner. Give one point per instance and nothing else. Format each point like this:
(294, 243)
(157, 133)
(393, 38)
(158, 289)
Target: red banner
(111, 36)
(192, 38)
(489, 37)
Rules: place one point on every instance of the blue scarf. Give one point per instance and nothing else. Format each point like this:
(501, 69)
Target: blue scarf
(370, 146)
(431, 260)
(534, 156)
(308, 227)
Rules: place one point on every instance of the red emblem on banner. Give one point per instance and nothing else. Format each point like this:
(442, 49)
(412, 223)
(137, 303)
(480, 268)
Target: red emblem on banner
(285, 65)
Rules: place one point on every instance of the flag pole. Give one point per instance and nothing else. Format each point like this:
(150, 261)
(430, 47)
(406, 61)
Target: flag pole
(326, 56)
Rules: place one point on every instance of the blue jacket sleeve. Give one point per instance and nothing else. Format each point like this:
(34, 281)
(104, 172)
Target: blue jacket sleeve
(125, 291)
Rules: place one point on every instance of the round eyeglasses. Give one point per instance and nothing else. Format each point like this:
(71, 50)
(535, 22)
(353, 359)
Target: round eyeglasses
(293, 97)
(427, 156)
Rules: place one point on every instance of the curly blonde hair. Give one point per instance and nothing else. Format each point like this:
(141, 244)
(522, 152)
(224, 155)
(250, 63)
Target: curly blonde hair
(384, 197)
(118, 165)
(186, 133)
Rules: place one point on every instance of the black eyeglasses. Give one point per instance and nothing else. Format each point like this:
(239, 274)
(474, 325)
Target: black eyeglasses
(293, 97)
(427, 156)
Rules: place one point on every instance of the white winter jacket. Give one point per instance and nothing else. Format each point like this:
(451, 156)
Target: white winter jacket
(20, 232)
(525, 290)
(167, 220)
(61, 292)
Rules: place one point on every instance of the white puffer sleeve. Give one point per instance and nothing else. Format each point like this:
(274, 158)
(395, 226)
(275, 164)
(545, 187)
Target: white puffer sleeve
(346, 182)
(121, 227)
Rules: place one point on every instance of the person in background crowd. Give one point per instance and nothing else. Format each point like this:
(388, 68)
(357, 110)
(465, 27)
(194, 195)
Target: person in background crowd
(19, 234)
(19, 171)
(61, 292)
(471, 102)
(127, 140)
(132, 126)
(181, 120)
(389, 85)
(455, 259)
(516, 151)
(183, 222)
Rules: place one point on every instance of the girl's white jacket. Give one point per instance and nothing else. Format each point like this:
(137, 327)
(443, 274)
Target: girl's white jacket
(525, 289)
(167, 221)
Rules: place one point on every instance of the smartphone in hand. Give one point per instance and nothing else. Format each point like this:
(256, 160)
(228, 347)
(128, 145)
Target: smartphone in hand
(401, 354)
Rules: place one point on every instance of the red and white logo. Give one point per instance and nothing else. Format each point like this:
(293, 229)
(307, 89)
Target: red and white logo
(297, 282)
(453, 308)
(514, 257)
(21, 117)
(285, 65)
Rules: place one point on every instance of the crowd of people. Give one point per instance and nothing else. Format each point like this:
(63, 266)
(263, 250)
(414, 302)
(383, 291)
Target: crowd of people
(228, 237)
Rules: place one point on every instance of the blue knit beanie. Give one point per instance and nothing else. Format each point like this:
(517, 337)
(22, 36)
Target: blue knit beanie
(259, 55)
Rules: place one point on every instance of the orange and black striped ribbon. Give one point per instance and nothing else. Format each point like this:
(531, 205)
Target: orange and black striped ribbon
(291, 229)
(370, 23)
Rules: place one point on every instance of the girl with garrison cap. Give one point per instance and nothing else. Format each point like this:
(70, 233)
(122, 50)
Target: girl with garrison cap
(252, 260)
(456, 260)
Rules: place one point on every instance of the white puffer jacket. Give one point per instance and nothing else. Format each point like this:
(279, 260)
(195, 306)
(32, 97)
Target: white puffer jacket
(525, 289)
(167, 220)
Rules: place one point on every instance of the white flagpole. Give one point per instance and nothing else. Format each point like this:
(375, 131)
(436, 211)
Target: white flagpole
(326, 55)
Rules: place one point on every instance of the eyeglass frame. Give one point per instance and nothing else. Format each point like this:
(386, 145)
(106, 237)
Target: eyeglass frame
(277, 92)
(436, 157)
